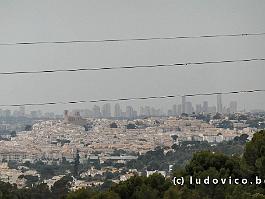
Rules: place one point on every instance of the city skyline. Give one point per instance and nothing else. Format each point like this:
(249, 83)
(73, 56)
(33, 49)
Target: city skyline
(108, 110)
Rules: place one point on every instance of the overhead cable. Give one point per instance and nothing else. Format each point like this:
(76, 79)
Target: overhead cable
(131, 39)
(131, 67)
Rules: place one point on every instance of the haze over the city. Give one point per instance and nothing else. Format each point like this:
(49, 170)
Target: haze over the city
(95, 20)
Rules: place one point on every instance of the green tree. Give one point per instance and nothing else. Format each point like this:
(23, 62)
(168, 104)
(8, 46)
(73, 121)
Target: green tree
(40, 191)
(131, 126)
(31, 180)
(113, 125)
(28, 127)
(82, 194)
(13, 134)
(217, 116)
(215, 165)
(254, 155)
(145, 192)
(174, 137)
(76, 164)
(62, 187)
(107, 195)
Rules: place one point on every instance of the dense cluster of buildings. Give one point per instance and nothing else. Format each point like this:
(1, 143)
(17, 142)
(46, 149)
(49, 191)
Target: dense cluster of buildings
(54, 139)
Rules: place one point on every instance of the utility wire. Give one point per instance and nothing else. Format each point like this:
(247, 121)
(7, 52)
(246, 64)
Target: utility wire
(133, 39)
(131, 67)
(133, 98)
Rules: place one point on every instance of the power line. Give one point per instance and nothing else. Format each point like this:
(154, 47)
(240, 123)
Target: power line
(132, 39)
(225, 93)
(130, 67)
(133, 98)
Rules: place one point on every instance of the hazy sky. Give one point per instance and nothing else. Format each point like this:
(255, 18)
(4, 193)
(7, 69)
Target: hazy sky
(34, 20)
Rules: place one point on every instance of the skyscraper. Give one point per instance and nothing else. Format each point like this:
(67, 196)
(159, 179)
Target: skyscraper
(106, 111)
(198, 108)
(183, 104)
(129, 111)
(117, 110)
(205, 107)
(219, 104)
(96, 111)
(179, 109)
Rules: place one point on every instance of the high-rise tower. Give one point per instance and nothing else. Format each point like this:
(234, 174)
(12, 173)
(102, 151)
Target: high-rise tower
(219, 104)
(183, 104)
